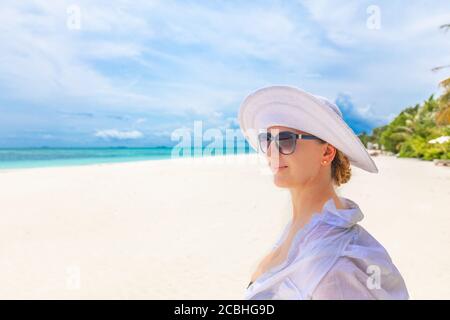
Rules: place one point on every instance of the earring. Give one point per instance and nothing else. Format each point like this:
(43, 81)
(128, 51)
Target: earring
(323, 162)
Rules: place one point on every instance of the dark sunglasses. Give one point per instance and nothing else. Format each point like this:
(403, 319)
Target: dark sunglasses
(286, 141)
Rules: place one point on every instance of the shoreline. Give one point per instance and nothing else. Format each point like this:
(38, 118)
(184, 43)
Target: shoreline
(113, 162)
(187, 159)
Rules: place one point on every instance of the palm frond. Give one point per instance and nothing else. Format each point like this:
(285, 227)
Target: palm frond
(445, 83)
(444, 100)
(445, 27)
(443, 116)
(440, 68)
(400, 136)
(404, 129)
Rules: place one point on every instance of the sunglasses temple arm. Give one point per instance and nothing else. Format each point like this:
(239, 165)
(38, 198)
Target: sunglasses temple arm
(307, 137)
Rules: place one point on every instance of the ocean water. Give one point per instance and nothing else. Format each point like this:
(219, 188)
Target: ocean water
(55, 157)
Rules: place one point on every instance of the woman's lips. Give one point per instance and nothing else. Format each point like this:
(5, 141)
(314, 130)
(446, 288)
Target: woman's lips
(279, 168)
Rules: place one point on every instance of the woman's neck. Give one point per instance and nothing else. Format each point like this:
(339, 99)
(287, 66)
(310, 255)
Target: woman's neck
(307, 201)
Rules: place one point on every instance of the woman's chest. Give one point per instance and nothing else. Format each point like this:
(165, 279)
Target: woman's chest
(273, 259)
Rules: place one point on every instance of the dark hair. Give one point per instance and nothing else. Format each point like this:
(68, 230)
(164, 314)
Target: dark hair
(340, 167)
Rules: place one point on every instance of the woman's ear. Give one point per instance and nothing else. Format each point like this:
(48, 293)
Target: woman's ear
(329, 153)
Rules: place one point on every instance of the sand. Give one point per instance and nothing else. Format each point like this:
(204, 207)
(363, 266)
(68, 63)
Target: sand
(196, 229)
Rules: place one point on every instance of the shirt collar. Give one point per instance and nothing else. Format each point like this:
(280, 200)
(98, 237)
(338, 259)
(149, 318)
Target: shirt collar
(342, 217)
(331, 215)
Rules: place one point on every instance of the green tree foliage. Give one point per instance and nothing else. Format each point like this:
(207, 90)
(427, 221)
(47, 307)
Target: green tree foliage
(408, 134)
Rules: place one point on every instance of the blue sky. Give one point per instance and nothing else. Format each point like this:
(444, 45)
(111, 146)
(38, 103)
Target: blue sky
(101, 73)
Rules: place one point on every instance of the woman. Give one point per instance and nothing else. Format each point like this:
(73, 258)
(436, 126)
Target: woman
(323, 253)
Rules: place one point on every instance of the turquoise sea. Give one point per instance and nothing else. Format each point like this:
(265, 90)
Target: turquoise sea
(52, 157)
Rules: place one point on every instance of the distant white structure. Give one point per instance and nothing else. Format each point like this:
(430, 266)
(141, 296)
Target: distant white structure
(372, 146)
(441, 139)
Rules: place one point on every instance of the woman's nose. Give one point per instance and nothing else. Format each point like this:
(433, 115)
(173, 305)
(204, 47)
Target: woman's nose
(275, 152)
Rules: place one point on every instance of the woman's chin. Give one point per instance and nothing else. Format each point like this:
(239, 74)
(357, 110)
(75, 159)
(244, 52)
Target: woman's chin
(281, 182)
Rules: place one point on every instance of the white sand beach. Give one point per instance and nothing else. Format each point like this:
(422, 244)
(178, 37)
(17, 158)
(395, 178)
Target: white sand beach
(195, 229)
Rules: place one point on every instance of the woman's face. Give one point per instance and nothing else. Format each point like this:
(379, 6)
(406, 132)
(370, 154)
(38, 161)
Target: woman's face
(304, 166)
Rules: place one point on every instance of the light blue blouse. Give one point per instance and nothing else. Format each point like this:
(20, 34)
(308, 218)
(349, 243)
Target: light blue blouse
(331, 257)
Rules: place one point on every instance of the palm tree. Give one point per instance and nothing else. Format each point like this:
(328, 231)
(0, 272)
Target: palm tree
(443, 114)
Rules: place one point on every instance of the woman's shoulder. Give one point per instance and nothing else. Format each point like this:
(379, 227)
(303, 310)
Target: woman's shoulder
(365, 246)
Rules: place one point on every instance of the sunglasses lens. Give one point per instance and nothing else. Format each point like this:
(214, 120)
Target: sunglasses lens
(264, 141)
(286, 141)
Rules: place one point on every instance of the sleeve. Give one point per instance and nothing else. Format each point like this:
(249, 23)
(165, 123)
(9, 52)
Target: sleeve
(344, 281)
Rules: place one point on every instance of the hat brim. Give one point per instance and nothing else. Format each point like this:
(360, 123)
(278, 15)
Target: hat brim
(294, 108)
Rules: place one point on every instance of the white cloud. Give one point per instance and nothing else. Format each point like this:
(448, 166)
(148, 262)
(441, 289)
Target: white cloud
(141, 120)
(45, 61)
(119, 135)
(107, 50)
(201, 58)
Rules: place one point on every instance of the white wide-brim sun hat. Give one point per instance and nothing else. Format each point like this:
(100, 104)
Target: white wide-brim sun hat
(291, 107)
